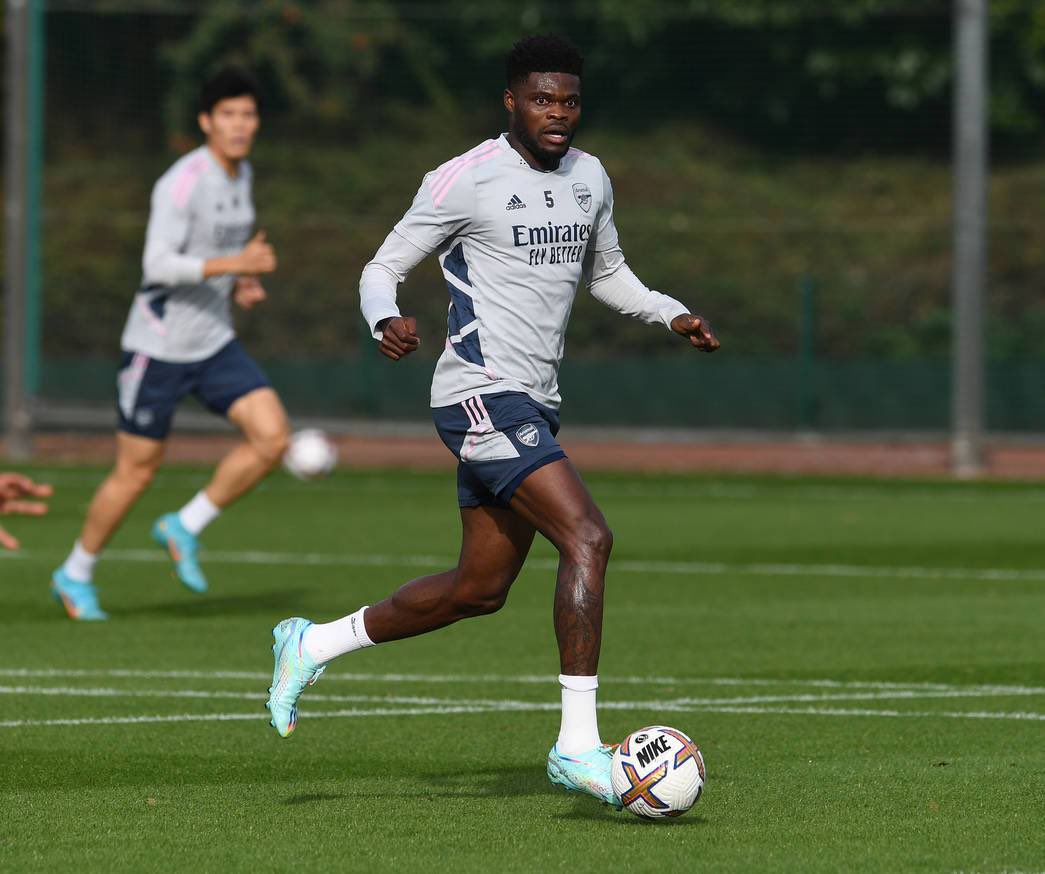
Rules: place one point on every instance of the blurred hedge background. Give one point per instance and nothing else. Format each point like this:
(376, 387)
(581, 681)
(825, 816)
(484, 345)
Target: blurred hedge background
(781, 165)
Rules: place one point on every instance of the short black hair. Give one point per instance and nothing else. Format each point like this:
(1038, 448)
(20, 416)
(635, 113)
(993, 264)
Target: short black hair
(226, 83)
(544, 53)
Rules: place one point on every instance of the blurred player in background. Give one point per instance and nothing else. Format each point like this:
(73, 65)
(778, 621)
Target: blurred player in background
(200, 251)
(517, 222)
(14, 489)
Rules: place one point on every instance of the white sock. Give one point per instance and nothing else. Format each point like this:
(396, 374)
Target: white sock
(79, 566)
(198, 513)
(579, 730)
(332, 639)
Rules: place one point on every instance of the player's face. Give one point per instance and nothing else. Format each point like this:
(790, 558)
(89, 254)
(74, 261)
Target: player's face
(544, 111)
(231, 127)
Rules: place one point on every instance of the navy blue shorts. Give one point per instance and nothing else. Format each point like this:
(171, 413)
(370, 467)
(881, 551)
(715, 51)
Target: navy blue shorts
(499, 440)
(148, 390)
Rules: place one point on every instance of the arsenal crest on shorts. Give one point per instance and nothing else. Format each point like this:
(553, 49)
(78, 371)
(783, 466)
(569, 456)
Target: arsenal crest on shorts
(529, 435)
(583, 195)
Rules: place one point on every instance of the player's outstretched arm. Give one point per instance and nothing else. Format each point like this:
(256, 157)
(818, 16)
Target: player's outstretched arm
(698, 330)
(13, 488)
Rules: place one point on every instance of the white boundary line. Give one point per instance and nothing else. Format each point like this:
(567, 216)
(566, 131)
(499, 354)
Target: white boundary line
(511, 704)
(680, 568)
(431, 706)
(228, 717)
(524, 679)
(423, 711)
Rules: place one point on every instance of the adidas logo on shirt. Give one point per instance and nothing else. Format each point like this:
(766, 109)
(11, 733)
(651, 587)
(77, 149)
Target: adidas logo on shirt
(515, 203)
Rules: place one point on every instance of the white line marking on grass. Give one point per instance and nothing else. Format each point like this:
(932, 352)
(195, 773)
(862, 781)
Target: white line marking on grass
(824, 711)
(213, 694)
(522, 679)
(491, 704)
(679, 568)
(426, 711)
(894, 695)
(209, 694)
(229, 717)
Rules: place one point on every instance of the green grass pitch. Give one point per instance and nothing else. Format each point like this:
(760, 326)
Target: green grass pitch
(862, 663)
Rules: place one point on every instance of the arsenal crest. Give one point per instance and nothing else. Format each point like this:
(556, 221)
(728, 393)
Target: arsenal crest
(583, 195)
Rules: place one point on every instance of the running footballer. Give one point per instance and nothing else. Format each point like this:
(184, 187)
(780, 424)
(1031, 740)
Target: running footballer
(516, 224)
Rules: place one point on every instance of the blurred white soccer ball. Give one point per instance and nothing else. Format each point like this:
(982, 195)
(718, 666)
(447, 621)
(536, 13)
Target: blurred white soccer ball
(657, 771)
(310, 454)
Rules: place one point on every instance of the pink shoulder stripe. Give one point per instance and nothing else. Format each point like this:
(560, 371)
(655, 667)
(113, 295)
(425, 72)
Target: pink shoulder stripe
(186, 180)
(448, 169)
(579, 152)
(442, 171)
(478, 159)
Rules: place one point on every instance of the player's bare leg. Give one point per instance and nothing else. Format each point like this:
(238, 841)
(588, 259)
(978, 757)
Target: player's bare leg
(261, 419)
(494, 545)
(137, 459)
(557, 503)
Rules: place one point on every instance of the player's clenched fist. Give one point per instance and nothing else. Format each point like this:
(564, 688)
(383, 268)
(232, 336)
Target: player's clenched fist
(249, 292)
(698, 331)
(399, 337)
(257, 256)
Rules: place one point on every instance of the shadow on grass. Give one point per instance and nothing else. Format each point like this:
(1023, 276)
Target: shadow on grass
(517, 781)
(591, 811)
(511, 781)
(313, 797)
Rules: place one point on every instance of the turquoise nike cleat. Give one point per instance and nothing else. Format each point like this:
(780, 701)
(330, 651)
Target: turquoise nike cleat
(292, 672)
(80, 600)
(587, 772)
(182, 547)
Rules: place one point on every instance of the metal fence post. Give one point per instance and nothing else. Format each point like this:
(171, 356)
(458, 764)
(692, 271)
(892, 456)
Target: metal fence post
(970, 235)
(23, 148)
(807, 354)
(16, 407)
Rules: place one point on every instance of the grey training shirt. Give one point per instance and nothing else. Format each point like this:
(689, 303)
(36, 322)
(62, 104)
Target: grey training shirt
(514, 243)
(198, 212)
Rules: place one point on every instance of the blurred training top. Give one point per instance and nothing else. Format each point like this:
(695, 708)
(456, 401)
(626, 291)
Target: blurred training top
(198, 212)
(513, 243)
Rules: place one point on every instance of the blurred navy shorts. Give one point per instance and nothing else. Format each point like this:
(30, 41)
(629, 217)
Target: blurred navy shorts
(148, 390)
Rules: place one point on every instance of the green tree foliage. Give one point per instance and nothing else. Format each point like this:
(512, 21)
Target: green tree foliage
(316, 60)
(797, 73)
(761, 115)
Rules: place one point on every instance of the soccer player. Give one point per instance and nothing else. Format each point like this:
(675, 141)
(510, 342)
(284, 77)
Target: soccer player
(14, 488)
(200, 251)
(516, 223)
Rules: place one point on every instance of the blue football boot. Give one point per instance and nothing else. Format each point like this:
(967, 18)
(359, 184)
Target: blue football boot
(80, 600)
(183, 548)
(587, 772)
(292, 672)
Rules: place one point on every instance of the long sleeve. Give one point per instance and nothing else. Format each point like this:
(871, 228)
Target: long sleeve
(623, 291)
(164, 261)
(381, 277)
(442, 207)
(613, 283)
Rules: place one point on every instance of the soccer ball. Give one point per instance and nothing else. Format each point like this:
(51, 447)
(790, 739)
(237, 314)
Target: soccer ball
(310, 454)
(657, 771)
